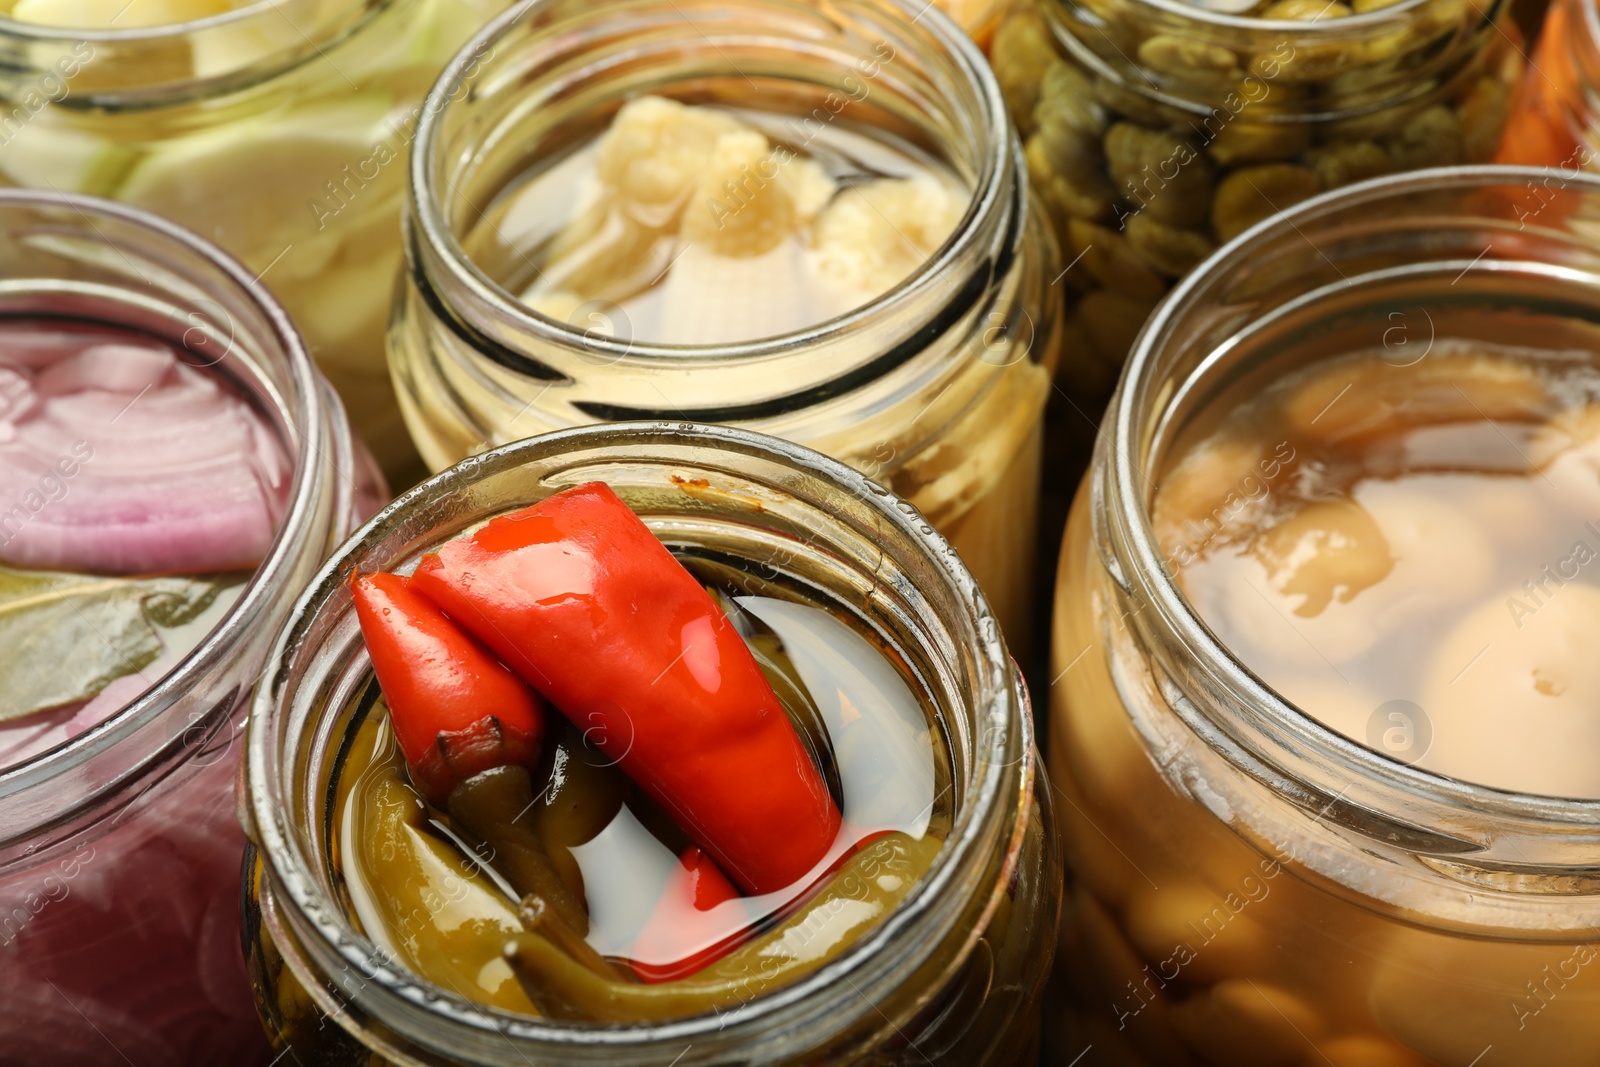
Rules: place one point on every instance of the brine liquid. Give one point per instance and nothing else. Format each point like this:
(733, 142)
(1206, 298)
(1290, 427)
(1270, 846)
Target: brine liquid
(875, 740)
(138, 487)
(1408, 554)
(704, 225)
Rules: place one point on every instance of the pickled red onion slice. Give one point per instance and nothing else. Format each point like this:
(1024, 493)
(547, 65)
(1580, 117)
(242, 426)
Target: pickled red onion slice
(116, 457)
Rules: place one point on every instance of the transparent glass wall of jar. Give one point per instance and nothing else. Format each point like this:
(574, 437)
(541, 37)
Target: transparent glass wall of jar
(119, 850)
(1251, 887)
(277, 130)
(935, 388)
(952, 977)
(1157, 129)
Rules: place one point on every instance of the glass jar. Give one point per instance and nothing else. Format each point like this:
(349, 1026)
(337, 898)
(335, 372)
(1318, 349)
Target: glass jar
(1251, 886)
(1157, 129)
(275, 130)
(1553, 120)
(952, 976)
(935, 388)
(119, 851)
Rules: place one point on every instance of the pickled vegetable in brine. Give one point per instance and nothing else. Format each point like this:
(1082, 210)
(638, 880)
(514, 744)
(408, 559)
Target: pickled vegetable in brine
(662, 812)
(138, 489)
(1411, 554)
(696, 225)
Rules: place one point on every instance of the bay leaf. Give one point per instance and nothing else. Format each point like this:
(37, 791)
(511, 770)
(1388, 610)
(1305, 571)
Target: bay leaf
(65, 637)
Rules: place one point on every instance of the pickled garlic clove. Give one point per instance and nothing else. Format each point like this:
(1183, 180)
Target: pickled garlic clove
(1234, 593)
(1513, 692)
(873, 236)
(739, 208)
(1328, 550)
(1222, 938)
(1441, 554)
(655, 152)
(1365, 1052)
(1216, 494)
(1246, 1023)
(1352, 401)
(1567, 451)
(1534, 999)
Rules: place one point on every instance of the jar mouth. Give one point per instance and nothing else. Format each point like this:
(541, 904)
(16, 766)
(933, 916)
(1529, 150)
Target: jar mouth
(434, 244)
(1265, 733)
(301, 410)
(281, 723)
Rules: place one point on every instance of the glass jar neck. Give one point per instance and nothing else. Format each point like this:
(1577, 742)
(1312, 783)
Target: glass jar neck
(788, 512)
(545, 77)
(98, 262)
(1207, 68)
(163, 66)
(1330, 269)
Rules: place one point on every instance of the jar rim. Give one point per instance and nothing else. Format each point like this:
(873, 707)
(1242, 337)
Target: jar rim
(426, 223)
(308, 422)
(1004, 729)
(1126, 498)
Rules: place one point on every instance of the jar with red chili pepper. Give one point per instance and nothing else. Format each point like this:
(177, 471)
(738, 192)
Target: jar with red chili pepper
(812, 221)
(172, 468)
(646, 741)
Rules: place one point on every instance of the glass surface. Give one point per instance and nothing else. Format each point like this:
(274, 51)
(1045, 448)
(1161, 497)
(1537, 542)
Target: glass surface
(935, 388)
(277, 130)
(1156, 130)
(958, 965)
(118, 848)
(1253, 886)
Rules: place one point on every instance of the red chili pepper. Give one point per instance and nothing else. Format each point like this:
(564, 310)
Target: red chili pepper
(456, 710)
(578, 596)
(681, 936)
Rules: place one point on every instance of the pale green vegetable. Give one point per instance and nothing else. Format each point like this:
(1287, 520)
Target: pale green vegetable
(68, 636)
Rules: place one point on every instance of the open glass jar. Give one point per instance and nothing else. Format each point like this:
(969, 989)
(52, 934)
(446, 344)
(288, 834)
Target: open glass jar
(1157, 129)
(935, 387)
(1253, 887)
(119, 852)
(275, 129)
(951, 975)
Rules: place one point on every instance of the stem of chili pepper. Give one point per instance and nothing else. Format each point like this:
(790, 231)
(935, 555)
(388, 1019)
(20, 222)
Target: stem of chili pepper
(578, 596)
(539, 917)
(493, 808)
(456, 709)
